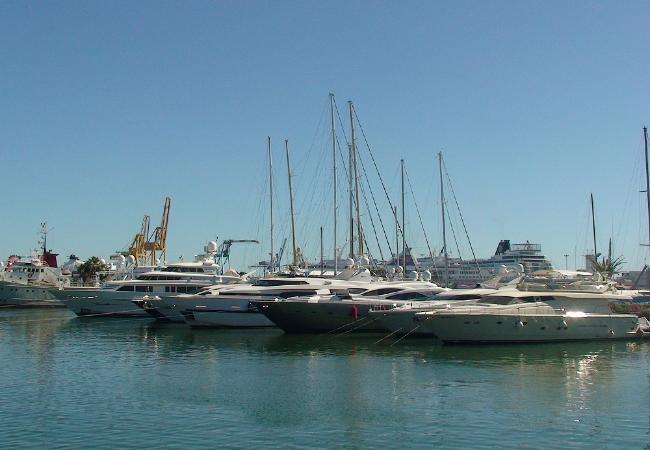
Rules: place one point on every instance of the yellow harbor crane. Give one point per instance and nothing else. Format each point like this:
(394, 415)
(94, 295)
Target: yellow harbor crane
(137, 246)
(146, 247)
(157, 241)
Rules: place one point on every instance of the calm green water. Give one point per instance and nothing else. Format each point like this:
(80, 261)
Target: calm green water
(111, 383)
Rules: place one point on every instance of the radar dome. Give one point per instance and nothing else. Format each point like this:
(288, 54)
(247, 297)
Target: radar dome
(426, 275)
(391, 270)
(349, 262)
(157, 261)
(212, 247)
(413, 275)
(399, 269)
(122, 259)
(364, 261)
(131, 259)
(103, 261)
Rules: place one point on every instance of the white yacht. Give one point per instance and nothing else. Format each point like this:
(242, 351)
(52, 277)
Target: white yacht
(533, 322)
(232, 306)
(401, 320)
(114, 298)
(344, 311)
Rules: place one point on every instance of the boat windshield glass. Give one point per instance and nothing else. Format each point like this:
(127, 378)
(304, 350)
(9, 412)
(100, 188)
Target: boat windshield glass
(279, 282)
(382, 291)
(409, 295)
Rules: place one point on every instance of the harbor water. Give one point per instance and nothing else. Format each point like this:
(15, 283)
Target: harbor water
(131, 383)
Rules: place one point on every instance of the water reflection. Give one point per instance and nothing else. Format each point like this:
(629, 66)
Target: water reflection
(264, 387)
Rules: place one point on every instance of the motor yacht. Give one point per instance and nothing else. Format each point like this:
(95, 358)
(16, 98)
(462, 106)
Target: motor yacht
(114, 298)
(401, 320)
(344, 311)
(532, 322)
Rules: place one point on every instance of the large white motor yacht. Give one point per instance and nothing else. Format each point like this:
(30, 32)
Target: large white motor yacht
(534, 322)
(114, 298)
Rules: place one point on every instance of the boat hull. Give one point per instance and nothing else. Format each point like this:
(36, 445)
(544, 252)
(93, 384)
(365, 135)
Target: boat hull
(27, 296)
(320, 317)
(520, 328)
(98, 302)
(221, 312)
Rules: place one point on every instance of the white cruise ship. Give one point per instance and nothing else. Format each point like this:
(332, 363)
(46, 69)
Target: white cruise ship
(469, 273)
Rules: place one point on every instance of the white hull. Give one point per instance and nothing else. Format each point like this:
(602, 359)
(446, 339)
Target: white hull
(451, 327)
(91, 302)
(224, 313)
(25, 295)
(402, 320)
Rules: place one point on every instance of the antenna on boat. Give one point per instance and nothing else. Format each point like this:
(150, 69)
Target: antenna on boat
(444, 224)
(272, 261)
(336, 259)
(293, 222)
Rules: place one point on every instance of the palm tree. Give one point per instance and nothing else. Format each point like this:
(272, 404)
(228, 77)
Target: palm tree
(91, 268)
(607, 267)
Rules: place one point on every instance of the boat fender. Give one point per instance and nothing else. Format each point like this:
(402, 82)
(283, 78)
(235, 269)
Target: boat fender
(519, 324)
(563, 325)
(355, 312)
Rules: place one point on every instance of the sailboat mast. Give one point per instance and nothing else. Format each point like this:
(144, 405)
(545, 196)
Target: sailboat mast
(444, 222)
(336, 259)
(647, 176)
(322, 265)
(351, 202)
(593, 226)
(272, 263)
(396, 236)
(293, 222)
(355, 171)
(403, 220)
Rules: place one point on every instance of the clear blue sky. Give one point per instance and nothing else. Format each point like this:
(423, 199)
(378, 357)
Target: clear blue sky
(109, 106)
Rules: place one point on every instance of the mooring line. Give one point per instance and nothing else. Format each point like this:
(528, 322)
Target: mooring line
(402, 337)
(387, 336)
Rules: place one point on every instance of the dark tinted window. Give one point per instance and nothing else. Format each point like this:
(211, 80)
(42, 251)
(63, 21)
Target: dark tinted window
(279, 282)
(381, 291)
(409, 296)
(126, 288)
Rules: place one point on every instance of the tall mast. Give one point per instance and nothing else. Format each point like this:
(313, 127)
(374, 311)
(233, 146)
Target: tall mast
(355, 171)
(322, 265)
(647, 176)
(350, 201)
(293, 222)
(336, 259)
(272, 262)
(396, 236)
(403, 219)
(593, 227)
(444, 222)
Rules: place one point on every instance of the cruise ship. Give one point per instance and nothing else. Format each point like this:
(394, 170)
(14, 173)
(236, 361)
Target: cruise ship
(469, 273)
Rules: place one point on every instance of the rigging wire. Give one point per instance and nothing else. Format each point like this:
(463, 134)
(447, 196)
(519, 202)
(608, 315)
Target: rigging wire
(462, 220)
(424, 232)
